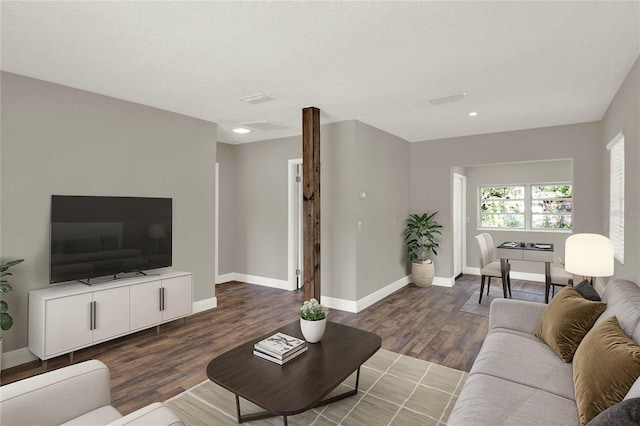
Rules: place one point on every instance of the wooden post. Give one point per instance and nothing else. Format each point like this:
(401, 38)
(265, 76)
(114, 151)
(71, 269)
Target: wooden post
(311, 201)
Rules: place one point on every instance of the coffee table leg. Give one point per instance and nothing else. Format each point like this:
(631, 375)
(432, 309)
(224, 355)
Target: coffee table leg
(266, 414)
(238, 408)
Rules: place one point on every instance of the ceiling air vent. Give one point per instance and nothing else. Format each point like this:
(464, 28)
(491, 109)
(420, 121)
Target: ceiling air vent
(265, 125)
(449, 98)
(256, 99)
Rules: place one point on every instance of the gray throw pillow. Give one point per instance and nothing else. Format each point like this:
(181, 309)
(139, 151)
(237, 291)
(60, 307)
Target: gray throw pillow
(587, 291)
(625, 413)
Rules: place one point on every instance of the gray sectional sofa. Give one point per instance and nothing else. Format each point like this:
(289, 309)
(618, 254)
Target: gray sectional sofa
(518, 380)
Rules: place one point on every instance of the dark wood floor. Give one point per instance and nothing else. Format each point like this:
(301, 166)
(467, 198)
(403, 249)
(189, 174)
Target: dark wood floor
(421, 322)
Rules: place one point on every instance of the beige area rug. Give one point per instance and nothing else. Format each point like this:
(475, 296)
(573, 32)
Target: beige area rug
(473, 307)
(394, 389)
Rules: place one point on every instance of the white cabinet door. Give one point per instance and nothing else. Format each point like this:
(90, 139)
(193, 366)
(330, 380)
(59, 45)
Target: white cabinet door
(112, 313)
(145, 305)
(67, 323)
(178, 300)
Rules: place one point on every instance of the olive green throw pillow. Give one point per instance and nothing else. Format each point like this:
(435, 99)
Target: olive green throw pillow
(605, 366)
(566, 320)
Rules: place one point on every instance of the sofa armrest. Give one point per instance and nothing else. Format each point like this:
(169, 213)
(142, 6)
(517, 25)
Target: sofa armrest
(518, 315)
(157, 414)
(57, 396)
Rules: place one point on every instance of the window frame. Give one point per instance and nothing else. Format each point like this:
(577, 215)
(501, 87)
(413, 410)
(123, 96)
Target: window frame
(528, 207)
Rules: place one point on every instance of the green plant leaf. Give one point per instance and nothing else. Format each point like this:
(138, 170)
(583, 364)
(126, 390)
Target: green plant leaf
(5, 287)
(3, 306)
(419, 233)
(6, 322)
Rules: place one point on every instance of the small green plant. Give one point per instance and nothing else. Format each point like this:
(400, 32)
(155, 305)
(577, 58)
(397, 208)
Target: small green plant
(419, 234)
(313, 311)
(6, 322)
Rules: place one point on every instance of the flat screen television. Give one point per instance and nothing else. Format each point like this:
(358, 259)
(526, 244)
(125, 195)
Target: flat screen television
(95, 236)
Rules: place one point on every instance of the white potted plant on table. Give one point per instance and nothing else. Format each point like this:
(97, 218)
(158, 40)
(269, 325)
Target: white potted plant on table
(313, 320)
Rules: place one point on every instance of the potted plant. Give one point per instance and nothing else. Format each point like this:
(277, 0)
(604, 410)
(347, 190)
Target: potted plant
(313, 320)
(419, 235)
(6, 321)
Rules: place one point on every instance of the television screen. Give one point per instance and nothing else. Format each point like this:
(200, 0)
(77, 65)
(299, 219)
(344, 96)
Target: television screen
(106, 236)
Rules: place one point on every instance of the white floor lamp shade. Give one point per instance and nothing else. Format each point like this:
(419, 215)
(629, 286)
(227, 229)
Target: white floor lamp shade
(589, 255)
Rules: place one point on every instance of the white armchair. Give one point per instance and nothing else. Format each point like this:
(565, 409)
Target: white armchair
(76, 395)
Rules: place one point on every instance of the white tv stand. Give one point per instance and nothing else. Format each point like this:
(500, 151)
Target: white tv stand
(68, 317)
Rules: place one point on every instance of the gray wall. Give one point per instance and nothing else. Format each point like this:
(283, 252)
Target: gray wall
(261, 206)
(59, 140)
(354, 157)
(514, 173)
(432, 162)
(226, 158)
(382, 171)
(257, 215)
(623, 114)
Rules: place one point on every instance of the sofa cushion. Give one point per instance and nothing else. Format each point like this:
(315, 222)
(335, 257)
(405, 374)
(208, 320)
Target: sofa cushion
(101, 416)
(625, 413)
(566, 320)
(527, 361)
(491, 400)
(605, 366)
(623, 302)
(587, 291)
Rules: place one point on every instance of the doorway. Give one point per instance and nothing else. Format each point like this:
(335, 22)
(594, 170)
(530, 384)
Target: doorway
(295, 264)
(459, 221)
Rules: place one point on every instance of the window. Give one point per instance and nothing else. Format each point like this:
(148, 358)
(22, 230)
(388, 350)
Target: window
(616, 196)
(502, 207)
(529, 206)
(551, 206)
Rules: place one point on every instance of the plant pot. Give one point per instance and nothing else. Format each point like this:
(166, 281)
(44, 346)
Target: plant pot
(422, 272)
(313, 330)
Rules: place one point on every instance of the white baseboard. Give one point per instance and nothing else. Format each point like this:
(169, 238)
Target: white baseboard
(225, 278)
(339, 304)
(205, 304)
(255, 279)
(17, 357)
(365, 302)
(444, 281)
(528, 276)
(378, 295)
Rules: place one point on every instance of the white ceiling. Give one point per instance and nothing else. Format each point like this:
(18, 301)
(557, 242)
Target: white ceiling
(522, 64)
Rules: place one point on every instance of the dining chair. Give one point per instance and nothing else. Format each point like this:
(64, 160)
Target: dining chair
(489, 267)
(559, 278)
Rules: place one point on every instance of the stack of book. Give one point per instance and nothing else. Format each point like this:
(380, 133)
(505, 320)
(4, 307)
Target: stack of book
(280, 348)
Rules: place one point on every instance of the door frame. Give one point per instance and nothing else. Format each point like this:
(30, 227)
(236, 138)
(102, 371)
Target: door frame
(291, 263)
(217, 223)
(463, 207)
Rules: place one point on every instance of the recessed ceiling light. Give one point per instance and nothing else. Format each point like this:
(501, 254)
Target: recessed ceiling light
(473, 114)
(241, 130)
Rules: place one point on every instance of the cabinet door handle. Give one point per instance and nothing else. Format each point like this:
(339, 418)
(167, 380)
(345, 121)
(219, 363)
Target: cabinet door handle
(95, 315)
(163, 298)
(90, 315)
(160, 298)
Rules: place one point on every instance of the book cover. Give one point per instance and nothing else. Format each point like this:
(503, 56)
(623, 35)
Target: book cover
(279, 345)
(279, 361)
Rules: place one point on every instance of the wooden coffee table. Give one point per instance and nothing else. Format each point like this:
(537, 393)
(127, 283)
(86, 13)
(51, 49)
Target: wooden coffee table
(300, 384)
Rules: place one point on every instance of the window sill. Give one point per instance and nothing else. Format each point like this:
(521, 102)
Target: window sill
(545, 231)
